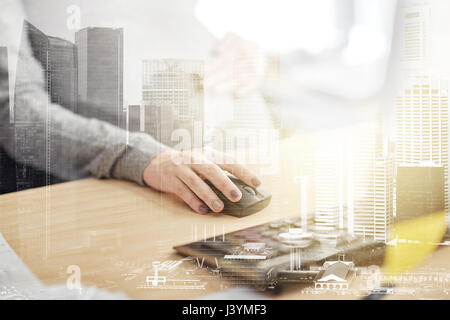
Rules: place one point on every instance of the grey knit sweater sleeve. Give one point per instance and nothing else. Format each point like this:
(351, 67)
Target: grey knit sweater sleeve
(84, 147)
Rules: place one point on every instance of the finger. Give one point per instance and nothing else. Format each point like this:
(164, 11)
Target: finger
(227, 163)
(182, 191)
(219, 179)
(201, 189)
(242, 173)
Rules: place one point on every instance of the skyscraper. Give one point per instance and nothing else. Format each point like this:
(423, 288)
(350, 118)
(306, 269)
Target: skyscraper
(173, 98)
(371, 184)
(100, 71)
(58, 58)
(7, 165)
(416, 25)
(26, 132)
(422, 105)
(32, 139)
(422, 125)
(330, 169)
(63, 72)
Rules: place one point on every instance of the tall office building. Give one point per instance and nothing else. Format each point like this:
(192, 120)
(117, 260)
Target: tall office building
(420, 190)
(422, 106)
(32, 141)
(63, 71)
(26, 133)
(173, 99)
(330, 168)
(371, 184)
(422, 125)
(416, 25)
(58, 58)
(7, 164)
(100, 71)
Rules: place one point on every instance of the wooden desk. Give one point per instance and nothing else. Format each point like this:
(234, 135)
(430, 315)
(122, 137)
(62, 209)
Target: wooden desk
(114, 230)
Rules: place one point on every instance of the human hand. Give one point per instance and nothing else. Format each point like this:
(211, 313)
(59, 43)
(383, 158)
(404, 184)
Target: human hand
(182, 173)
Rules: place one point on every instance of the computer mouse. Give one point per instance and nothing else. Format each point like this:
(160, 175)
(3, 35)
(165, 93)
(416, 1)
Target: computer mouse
(252, 201)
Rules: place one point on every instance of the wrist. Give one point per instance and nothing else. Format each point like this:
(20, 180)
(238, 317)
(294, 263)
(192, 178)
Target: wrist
(138, 154)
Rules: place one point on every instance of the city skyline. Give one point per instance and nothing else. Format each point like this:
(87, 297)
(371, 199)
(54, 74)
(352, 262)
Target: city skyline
(360, 211)
(141, 32)
(100, 70)
(212, 149)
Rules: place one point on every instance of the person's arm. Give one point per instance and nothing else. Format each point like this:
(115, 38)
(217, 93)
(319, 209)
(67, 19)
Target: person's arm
(84, 146)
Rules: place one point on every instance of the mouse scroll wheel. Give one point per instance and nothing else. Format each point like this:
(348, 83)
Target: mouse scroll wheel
(249, 190)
